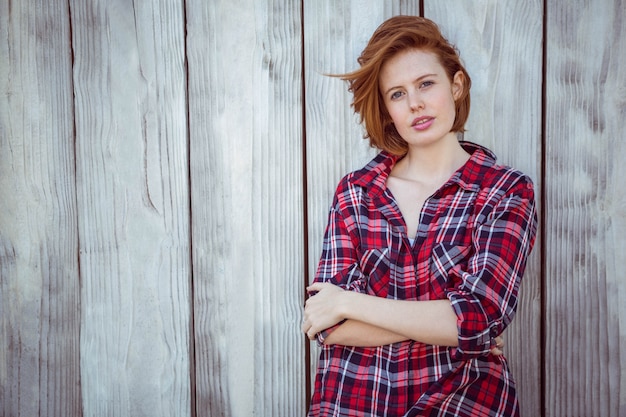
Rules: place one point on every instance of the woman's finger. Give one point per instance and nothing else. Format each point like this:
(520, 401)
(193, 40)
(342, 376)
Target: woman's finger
(499, 342)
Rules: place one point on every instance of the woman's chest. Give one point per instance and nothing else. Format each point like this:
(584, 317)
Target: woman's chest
(399, 268)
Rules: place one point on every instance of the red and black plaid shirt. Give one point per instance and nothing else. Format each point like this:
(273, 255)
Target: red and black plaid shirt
(474, 236)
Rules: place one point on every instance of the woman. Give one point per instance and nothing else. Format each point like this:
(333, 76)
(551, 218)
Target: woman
(424, 249)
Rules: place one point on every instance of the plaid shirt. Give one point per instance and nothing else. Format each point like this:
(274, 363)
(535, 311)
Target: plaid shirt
(474, 236)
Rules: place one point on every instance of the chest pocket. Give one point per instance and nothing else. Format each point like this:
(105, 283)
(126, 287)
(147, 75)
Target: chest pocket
(447, 264)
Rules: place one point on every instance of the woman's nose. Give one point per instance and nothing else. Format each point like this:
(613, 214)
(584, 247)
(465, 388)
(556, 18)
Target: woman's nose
(415, 102)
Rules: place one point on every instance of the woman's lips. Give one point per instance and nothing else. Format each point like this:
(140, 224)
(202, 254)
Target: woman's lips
(422, 123)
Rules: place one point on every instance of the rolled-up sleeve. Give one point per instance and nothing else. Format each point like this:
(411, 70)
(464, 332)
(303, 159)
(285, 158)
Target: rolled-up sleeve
(339, 263)
(485, 296)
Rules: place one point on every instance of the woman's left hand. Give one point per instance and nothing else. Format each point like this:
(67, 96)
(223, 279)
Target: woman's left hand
(499, 347)
(322, 309)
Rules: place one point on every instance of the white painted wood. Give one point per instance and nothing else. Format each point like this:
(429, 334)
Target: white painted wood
(103, 182)
(335, 35)
(39, 286)
(585, 210)
(133, 207)
(247, 206)
(500, 43)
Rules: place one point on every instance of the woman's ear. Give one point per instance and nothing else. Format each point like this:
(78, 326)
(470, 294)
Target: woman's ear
(458, 85)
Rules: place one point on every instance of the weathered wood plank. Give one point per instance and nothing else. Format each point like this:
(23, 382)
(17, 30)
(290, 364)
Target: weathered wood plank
(501, 46)
(585, 210)
(39, 285)
(133, 205)
(335, 34)
(246, 167)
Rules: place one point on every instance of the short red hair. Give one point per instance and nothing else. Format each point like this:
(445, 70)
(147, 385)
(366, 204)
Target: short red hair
(398, 34)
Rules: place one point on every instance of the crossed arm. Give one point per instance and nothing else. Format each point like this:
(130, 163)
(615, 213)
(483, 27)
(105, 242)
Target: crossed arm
(376, 321)
(483, 301)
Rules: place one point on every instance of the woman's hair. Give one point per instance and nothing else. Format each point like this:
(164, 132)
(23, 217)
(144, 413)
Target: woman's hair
(398, 34)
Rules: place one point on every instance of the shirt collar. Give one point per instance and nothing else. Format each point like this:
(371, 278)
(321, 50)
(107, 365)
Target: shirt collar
(373, 177)
(480, 160)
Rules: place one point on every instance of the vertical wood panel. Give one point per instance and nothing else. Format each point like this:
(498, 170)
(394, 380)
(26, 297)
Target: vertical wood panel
(585, 210)
(500, 43)
(39, 287)
(246, 166)
(335, 34)
(133, 203)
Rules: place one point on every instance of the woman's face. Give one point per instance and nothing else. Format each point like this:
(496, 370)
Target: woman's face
(419, 96)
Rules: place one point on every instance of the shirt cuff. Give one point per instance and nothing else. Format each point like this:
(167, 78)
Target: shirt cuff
(476, 334)
(321, 336)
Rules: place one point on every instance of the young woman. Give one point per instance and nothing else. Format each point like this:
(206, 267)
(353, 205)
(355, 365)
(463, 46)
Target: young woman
(425, 246)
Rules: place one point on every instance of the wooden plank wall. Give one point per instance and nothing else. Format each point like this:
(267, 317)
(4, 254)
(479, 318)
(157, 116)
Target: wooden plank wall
(166, 169)
(335, 34)
(501, 44)
(585, 223)
(132, 205)
(39, 263)
(245, 118)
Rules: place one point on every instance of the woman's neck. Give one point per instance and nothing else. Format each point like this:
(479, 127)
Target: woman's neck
(434, 162)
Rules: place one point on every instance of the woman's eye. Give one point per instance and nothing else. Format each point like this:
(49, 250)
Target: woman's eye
(396, 95)
(427, 84)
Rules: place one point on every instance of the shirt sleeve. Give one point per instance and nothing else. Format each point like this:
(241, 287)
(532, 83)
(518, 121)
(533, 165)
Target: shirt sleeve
(485, 298)
(339, 263)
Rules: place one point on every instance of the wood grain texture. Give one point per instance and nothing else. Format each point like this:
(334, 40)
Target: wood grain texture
(133, 207)
(245, 79)
(39, 283)
(101, 226)
(500, 43)
(585, 213)
(335, 34)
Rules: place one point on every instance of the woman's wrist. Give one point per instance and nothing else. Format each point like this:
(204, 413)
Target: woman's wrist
(347, 305)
